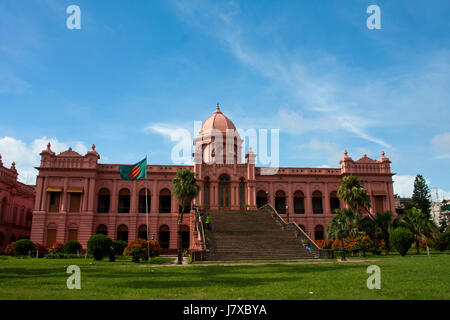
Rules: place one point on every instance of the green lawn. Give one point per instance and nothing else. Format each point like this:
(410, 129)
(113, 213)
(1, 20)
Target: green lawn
(409, 277)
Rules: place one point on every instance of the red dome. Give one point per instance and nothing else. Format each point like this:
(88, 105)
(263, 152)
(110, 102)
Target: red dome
(217, 121)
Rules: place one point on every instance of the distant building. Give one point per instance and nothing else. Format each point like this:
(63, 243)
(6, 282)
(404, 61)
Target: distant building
(440, 212)
(16, 206)
(400, 204)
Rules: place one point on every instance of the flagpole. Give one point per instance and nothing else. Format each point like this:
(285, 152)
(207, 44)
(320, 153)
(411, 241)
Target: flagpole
(146, 211)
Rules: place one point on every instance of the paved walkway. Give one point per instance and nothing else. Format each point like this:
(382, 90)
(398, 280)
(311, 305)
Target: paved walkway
(222, 263)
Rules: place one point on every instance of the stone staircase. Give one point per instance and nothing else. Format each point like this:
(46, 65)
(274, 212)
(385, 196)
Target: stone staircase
(251, 235)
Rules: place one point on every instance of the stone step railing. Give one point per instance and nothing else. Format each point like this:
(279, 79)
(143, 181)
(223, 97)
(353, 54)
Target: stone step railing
(304, 238)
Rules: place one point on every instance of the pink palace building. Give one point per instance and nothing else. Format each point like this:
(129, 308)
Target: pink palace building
(16, 206)
(76, 196)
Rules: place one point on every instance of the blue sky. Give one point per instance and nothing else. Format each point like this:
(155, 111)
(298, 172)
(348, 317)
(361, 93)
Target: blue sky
(138, 70)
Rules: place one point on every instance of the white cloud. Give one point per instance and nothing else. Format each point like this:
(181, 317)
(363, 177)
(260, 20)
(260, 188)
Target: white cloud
(168, 130)
(26, 156)
(324, 91)
(441, 143)
(291, 122)
(181, 153)
(403, 185)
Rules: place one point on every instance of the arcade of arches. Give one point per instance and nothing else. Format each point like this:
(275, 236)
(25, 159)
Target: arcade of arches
(77, 196)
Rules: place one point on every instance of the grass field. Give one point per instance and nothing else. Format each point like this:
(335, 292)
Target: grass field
(409, 277)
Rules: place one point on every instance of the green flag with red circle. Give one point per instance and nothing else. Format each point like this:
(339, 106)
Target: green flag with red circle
(134, 172)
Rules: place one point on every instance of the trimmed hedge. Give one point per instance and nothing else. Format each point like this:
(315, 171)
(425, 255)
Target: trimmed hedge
(401, 239)
(119, 246)
(99, 246)
(444, 241)
(23, 247)
(72, 247)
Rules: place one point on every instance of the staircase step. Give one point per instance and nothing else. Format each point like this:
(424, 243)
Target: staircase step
(251, 235)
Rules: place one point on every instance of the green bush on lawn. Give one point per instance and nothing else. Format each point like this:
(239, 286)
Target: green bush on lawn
(401, 240)
(99, 246)
(23, 247)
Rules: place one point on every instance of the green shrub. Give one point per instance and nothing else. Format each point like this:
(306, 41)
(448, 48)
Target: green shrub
(444, 241)
(23, 247)
(72, 247)
(99, 245)
(401, 239)
(119, 246)
(137, 249)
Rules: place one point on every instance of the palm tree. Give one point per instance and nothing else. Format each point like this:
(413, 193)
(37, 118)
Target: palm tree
(354, 194)
(348, 220)
(419, 224)
(185, 189)
(381, 226)
(345, 224)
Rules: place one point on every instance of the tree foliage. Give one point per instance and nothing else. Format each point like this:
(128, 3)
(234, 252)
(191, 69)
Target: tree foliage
(402, 239)
(380, 227)
(348, 220)
(185, 188)
(419, 224)
(99, 245)
(421, 195)
(354, 194)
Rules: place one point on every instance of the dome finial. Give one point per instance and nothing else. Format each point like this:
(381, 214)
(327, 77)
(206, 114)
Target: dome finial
(218, 107)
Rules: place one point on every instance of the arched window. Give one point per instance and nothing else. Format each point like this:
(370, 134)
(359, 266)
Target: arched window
(122, 233)
(241, 193)
(75, 202)
(22, 220)
(53, 204)
(102, 229)
(142, 232)
(261, 198)
(299, 202)
(185, 236)
(280, 201)
(334, 201)
(379, 203)
(224, 191)
(3, 206)
(165, 201)
(144, 205)
(186, 210)
(164, 236)
(103, 201)
(73, 232)
(14, 217)
(29, 219)
(207, 191)
(51, 235)
(318, 232)
(124, 201)
(317, 202)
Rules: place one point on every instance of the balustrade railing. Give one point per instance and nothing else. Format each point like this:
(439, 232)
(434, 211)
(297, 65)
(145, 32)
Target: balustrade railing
(304, 238)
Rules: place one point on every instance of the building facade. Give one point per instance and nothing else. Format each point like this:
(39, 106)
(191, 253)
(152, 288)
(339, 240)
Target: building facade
(76, 196)
(440, 213)
(16, 206)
